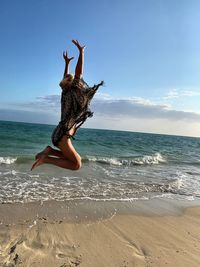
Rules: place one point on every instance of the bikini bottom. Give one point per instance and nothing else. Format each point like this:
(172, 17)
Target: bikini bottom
(58, 133)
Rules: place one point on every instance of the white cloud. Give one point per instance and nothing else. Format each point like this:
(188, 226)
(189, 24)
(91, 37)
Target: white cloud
(142, 110)
(104, 96)
(133, 113)
(49, 103)
(134, 107)
(191, 93)
(139, 100)
(161, 126)
(177, 93)
(171, 94)
(28, 116)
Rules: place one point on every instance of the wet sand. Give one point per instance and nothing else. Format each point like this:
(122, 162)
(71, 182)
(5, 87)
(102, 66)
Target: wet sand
(69, 234)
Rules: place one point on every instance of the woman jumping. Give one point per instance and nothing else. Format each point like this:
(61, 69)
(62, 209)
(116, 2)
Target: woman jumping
(75, 100)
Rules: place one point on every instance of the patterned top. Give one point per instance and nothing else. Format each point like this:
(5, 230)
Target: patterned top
(75, 101)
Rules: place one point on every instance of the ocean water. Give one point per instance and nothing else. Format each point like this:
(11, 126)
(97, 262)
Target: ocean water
(117, 165)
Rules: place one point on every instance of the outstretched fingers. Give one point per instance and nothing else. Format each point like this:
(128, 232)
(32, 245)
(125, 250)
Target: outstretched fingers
(66, 58)
(77, 44)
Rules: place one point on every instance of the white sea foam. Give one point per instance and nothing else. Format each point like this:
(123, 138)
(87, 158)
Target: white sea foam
(165, 195)
(12, 172)
(154, 159)
(112, 161)
(7, 160)
(102, 183)
(190, 198)
(145, 160)
(34, 175)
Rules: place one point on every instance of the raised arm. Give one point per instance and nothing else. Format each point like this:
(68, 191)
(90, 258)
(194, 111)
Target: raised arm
(67, 61)
(79, 65)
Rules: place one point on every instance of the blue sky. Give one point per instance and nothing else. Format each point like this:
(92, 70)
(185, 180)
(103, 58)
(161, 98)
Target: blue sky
(147, 52)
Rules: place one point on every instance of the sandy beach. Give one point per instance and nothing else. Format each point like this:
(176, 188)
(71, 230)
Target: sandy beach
(50, 235)
(133, 203)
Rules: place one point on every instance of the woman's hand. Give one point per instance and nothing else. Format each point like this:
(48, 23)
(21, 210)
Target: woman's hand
(66, 58)
(80, 48)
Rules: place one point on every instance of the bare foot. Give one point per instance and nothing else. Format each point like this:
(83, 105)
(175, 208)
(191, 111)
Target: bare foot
(39, 161)
(46, 151)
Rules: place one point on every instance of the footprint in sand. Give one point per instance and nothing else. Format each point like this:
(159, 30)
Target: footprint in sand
(72, 263)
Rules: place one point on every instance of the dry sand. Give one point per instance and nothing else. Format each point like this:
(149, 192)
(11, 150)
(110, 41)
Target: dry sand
(119, 241)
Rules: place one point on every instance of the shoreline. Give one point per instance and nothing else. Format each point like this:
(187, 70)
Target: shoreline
(122, 239)
(77, 211)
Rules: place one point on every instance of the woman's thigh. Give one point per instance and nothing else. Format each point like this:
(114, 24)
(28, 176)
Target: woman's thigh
(65, 145)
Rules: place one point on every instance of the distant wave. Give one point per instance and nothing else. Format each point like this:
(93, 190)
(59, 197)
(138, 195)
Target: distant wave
(7, 160)
(156, 158)
(145, 160)
(16, 160)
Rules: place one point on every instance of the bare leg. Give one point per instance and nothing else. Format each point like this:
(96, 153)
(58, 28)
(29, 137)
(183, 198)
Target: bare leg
(69, 151)
(71, 161)
(60, 162)
(49, 151)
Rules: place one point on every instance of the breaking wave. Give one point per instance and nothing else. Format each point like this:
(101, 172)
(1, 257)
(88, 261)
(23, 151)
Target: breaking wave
(7, 160)
(145, 160)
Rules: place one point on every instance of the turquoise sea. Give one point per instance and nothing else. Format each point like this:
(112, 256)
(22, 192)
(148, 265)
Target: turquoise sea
(117, 165)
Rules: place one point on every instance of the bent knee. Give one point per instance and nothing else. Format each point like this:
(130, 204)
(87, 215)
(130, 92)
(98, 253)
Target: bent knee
(77, 165)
